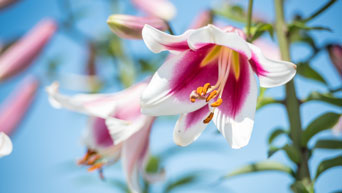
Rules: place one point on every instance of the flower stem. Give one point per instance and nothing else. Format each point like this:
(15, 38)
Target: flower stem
(292, 104)
(169, 28)
(249, 18)
(321, 10)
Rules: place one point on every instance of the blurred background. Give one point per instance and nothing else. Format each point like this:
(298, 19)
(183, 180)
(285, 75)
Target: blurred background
(47, 142)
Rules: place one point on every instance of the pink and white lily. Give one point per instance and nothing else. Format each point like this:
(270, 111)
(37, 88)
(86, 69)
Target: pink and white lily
(162, 9)
(210, 76)
(13, 111)
(118, 116)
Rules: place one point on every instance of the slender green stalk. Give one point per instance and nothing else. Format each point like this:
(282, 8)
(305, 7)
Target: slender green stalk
(321, 10)
(292, 104)
(169, 28)
(249, 18)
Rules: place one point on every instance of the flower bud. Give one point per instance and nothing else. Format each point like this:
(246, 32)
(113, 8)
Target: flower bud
(130, 27)
(22, 53)
(335, 53)
(162, 9)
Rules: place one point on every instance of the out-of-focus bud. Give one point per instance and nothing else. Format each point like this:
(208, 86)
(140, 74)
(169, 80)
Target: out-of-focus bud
(335, 53)
(130, 27)
(203, 19)
(6, 3)
(16, 105)
(22, 53)
(337, 128)
(156, 8)
(5, 145)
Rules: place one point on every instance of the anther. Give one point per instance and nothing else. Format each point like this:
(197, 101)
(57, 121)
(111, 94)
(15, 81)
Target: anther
(193, 96)
(199, 90)
(95, 167)
(93, 159)
(205, 88)
(209, 118)
(216, 103)
(212, 95)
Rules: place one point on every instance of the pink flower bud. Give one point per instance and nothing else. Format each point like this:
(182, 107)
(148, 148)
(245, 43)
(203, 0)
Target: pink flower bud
(335, 53)
(14, 108)
(163, 9)
(20, 55)
(130, 27)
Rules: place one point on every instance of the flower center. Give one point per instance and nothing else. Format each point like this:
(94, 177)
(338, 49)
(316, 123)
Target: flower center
(92, 159)
(228, 60)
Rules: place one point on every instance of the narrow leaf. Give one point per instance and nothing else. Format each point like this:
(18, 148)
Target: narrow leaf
(327, 164)
(328, 144)
(324, 122)
(293, 153)
(181, 182)
(276, 133)
(327, 97)
(260, 167)
(305, 70)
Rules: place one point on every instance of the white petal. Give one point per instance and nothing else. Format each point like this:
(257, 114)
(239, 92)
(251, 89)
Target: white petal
(214, 35)
(158, 41)
(277, 72)
(190, 126)
(157, 99)
(238, 131)
(6, 146)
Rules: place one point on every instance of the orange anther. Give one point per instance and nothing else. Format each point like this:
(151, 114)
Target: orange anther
(209, 118)
(211, 95)
(205, 88)
(85, 157)
(95, 167)
(193, 100)
(93, 159)
(199, 90)
(216, 103)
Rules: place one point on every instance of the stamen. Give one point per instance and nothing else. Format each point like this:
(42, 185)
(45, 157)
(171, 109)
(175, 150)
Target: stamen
(217, 103)
(199, 90)
(205, 88)
(85, 157)
(93, 159)
(95, 167)
(193, 96)
(209, 118)
(212, 95)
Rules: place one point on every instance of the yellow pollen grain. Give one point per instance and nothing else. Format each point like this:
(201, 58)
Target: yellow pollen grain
(217, 103)
(212, 95)
(205, 88)
(209, 118)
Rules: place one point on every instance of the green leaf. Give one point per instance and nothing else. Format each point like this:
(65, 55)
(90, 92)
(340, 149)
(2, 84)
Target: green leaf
(305, 70)
(266, 101)
(326, 97)
(181, 182)
(259, 29)
(302, 187)
(232, 12)
(276, 133)
(260, 167)
(323, 122)
(303, 26)
(327, 164)
(328, 144)
(290, 151)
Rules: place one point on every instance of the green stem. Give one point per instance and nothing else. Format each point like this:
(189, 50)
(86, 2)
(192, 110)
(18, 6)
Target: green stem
(249, 18)
(321, 10)
(292, 104)
(169, 28)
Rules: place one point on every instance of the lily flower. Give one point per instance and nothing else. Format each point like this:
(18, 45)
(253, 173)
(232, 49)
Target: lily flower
(130, 27)
(210, 76)
(118, 116)
(22, 53)
(6, 145)
(163, 9)
(13, 111)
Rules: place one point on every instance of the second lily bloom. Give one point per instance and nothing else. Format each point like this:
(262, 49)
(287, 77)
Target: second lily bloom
(210, 76)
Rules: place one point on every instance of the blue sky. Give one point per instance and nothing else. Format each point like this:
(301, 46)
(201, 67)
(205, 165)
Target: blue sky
(47, 143)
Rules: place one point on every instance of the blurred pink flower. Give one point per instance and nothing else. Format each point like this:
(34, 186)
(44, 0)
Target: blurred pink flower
(15, 107)
(157, 8)
(130, 27)
(20, 55)
(269, 49)
(117, 127)
(203, 19)
(6, 3)
(337, 129)
(13, 111)
(335, 53)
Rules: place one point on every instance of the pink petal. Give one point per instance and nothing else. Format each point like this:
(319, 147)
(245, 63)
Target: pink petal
(335, 53)
(19, 56)
(169, 90)
(157, 8)
(130, 27)
(190, 126)
(17, 104)
(134, 151)
(101, 133)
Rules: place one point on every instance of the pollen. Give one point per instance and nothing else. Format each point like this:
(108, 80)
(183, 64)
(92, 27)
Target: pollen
(93, 159)
(95, 167)
(209, 118)
(216, 103)
(199, 90)
(205, 88)
(212, 95)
